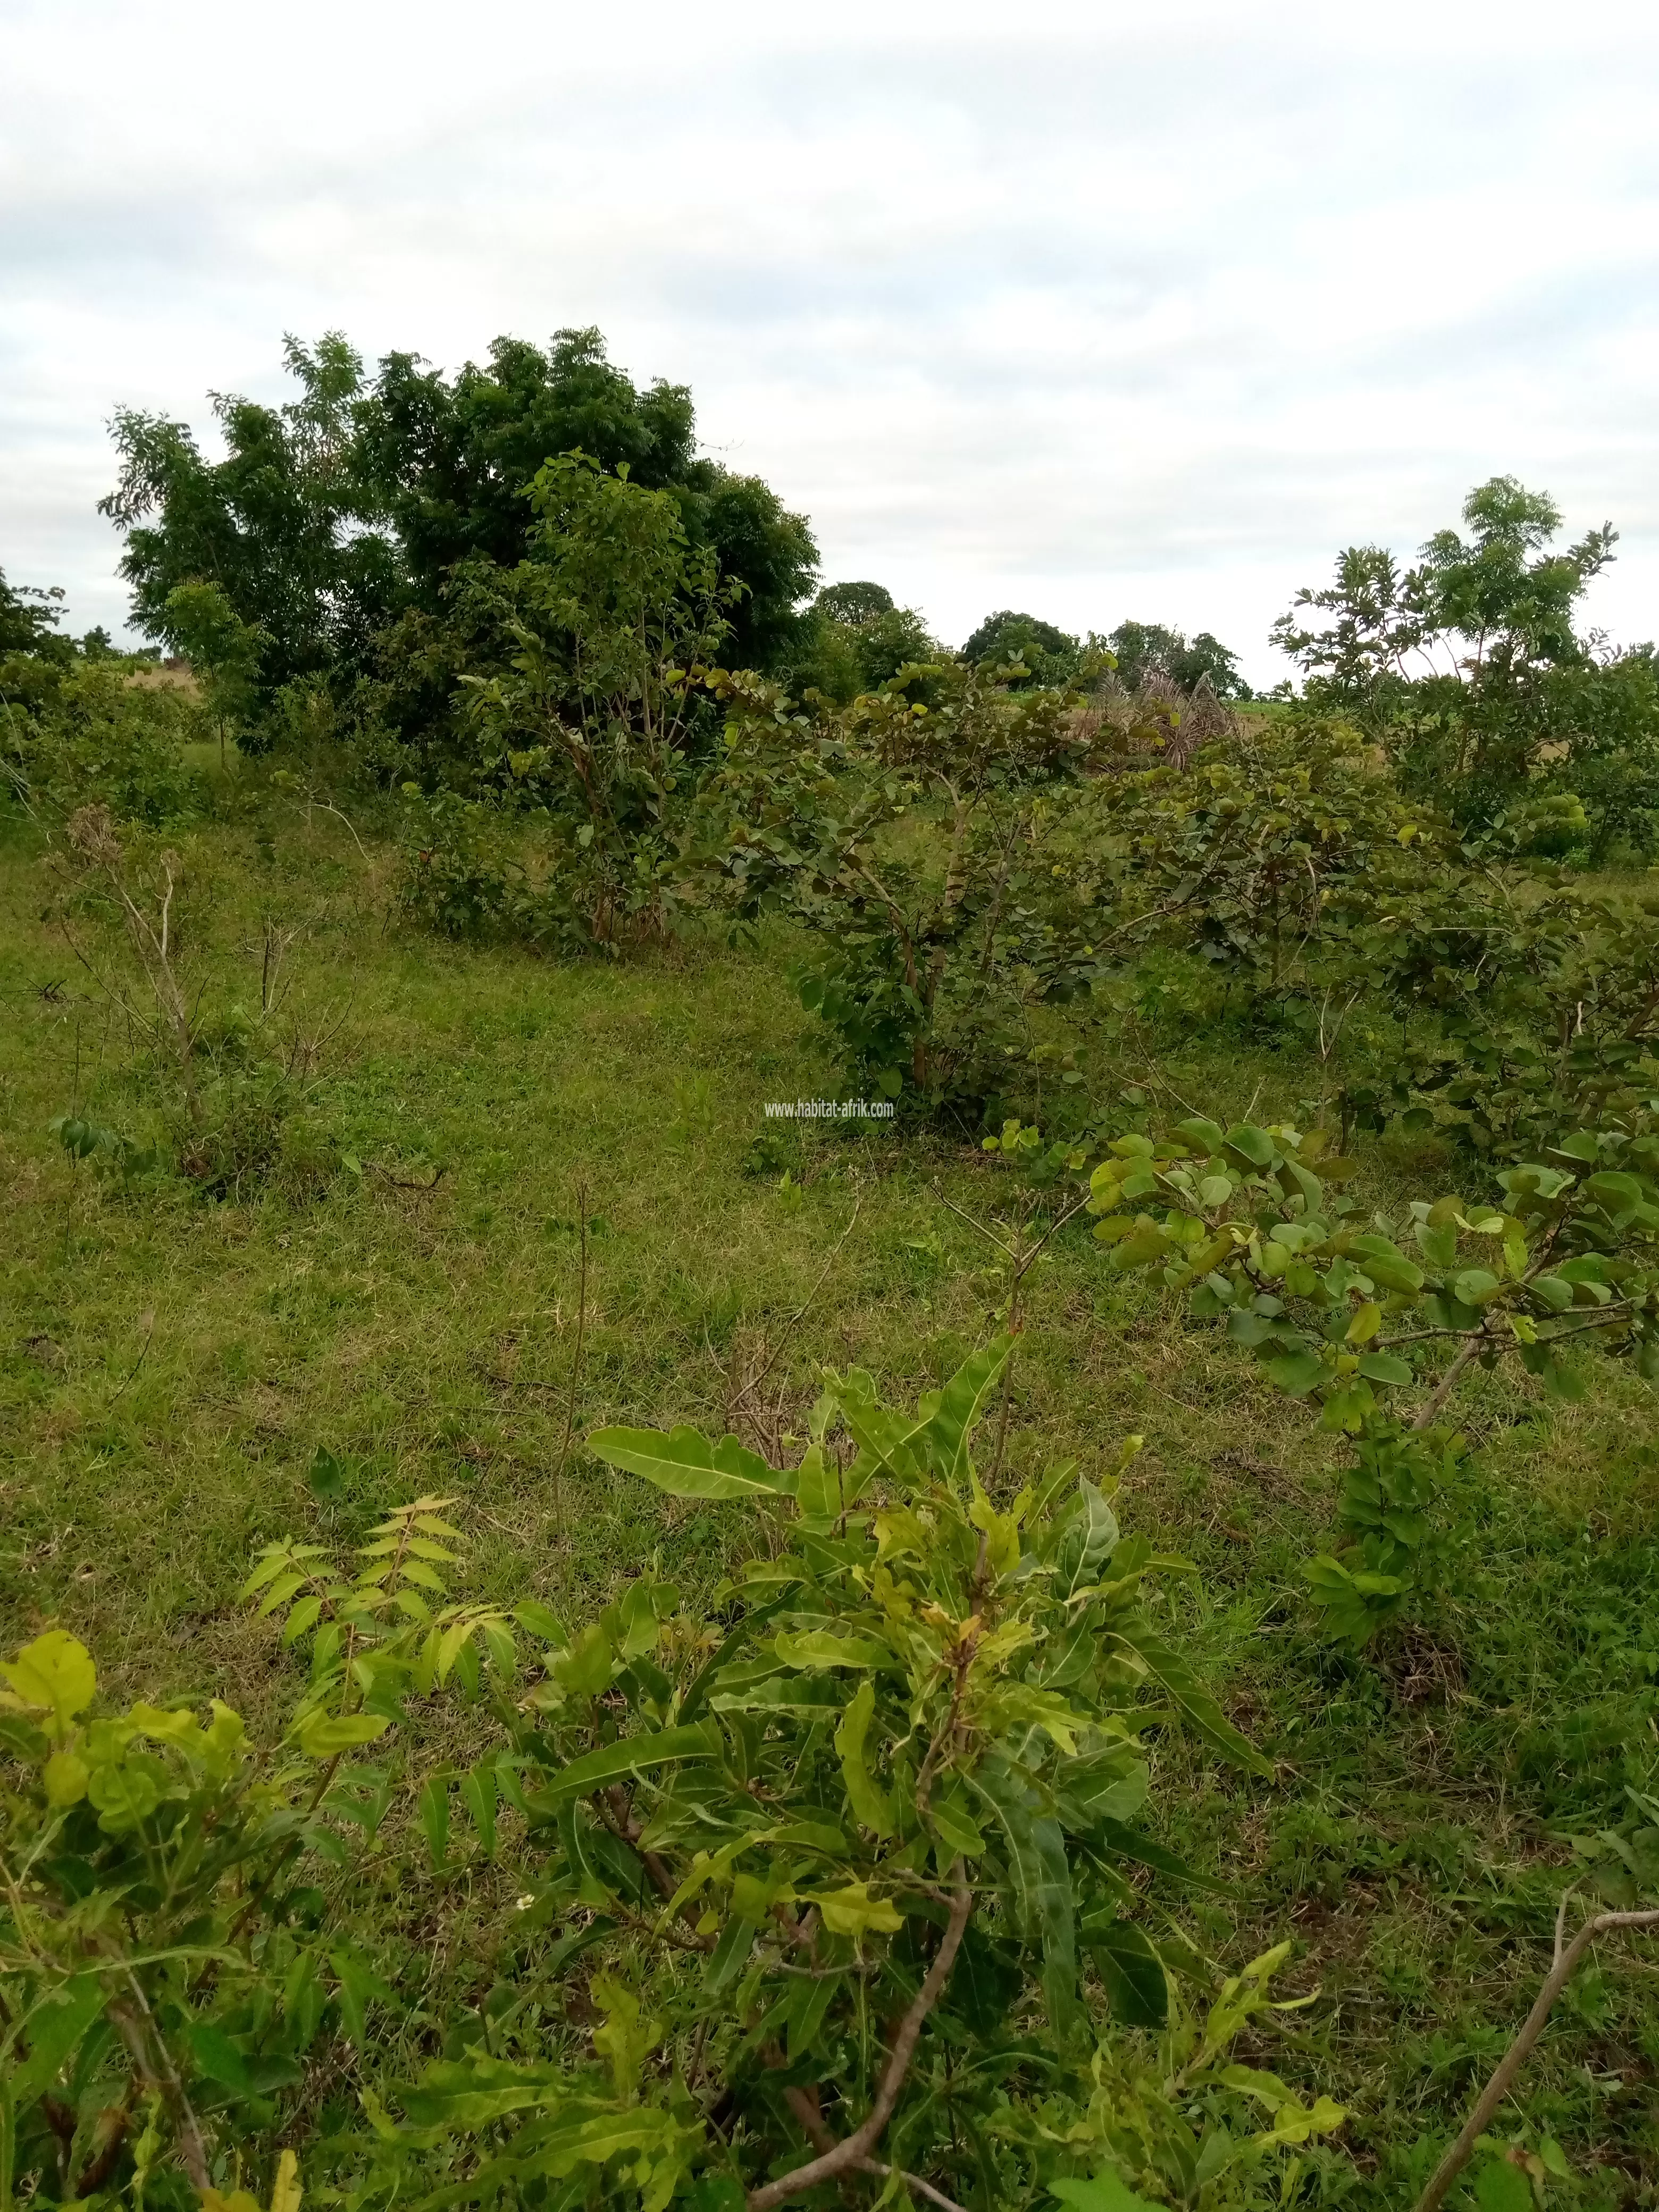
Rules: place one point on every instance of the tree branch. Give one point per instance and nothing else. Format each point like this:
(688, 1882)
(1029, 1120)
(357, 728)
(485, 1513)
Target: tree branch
(853, 2150)
(1516, 2056)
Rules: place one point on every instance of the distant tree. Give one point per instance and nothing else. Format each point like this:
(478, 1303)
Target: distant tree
(1470, 669)
(367, 529)
(223, 650)
(854, 639)
(853, 603)
(1147, 650)
(28, 616)
(278, 526)
(1496, 601)
(1007, 637)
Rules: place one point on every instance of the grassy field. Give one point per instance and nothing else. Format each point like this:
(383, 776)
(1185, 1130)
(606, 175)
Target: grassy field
(396, 1284)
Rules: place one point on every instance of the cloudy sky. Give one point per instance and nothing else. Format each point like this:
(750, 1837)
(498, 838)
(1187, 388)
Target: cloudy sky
(1089, 309)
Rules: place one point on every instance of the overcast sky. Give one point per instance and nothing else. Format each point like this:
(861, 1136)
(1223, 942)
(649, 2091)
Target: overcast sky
(1089, 309)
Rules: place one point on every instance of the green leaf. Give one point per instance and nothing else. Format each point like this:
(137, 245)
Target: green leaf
(1384, 1367)
(540, 1619)
(1253, 1145)
(1124, 1843)
(870, 1807)
(731, 1954)
(54, 2029)
(478, 1794)
(125, 1793)
(632, 1755)
(217, 2058)
(851, 1911)
(1501, 2187)
(1137, 1987)
(324, 1736)
(54, 1674)
(1040, 1876)
(962, 1403)
(684, 1464)
(1195, 1702)
(1298, 1372)
(817, 1486)
(822, 1647)
(1106, 2192)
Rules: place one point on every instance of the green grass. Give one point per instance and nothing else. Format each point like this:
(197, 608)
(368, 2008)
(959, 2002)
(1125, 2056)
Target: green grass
(170, 1364)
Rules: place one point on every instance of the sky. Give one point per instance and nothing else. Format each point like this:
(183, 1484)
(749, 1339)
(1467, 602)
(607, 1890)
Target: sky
(1088, 310)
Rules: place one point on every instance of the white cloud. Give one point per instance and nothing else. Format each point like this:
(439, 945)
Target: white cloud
(1092, 309)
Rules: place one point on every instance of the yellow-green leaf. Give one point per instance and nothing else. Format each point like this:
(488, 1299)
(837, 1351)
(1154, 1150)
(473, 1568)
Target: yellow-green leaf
(870, 1807)
(851, 1911)
(54, 1674)
(65, 1777)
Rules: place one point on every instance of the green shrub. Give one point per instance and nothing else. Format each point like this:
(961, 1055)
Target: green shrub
(98, 733)
(834, 1880)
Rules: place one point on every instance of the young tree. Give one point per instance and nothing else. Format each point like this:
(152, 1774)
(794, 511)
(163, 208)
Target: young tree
(223, 650)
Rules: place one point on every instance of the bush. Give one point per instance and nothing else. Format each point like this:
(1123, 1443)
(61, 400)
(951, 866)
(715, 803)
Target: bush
(832, 1881)
(98, 731)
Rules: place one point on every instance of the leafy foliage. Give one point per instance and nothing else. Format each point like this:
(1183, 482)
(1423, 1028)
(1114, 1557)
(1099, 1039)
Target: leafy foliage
(896, 1776)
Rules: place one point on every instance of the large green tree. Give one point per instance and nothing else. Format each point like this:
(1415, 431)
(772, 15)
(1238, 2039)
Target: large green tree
(279, 524)
(358, 527)
(449, 459)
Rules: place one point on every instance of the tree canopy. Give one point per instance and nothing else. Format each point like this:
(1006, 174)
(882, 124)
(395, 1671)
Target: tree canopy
(341, 511)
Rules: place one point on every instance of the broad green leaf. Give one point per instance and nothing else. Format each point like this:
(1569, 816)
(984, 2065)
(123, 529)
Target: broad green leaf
(817, 1485)
(1035, 1846)
(54, 1674)
(1195, 1702)
(851, 1911)
(1125, 1843)
(782, 1693)
(870, 1807)
(1089, 1540)
(1106, 2192)
(217, 2058)
(1297, 1373)
(324, 1736)
(1384, 1367)
(65, 1777)
(1253, 1145)
(1501, 2187)
(684, 1463)
(958, 1831)
(125, 1792)
(541, 1620)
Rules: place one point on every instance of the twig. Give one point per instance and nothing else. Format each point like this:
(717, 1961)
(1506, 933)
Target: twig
(143, 1355)
(1514, 2058)
(1448, 1383)
(911, 2181)
(853, 2150)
